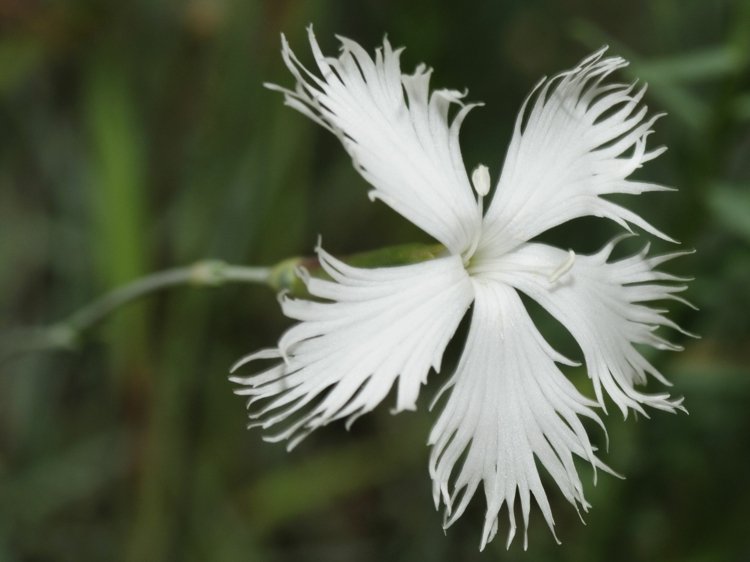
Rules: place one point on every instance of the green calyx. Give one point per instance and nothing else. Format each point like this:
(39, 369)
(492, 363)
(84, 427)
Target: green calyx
(284, 275)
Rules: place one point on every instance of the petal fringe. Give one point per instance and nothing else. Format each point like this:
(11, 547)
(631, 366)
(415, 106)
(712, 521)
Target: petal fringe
(605, 306)
(581, 138)
(510, 409)
(406, 147)
(379, 327)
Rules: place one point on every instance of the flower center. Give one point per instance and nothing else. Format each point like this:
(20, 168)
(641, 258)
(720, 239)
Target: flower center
(498, 266)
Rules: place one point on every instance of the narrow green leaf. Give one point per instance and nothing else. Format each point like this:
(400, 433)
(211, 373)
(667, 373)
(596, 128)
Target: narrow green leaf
(117, 194)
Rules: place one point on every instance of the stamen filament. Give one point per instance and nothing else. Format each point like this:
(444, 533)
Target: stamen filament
(563, 268)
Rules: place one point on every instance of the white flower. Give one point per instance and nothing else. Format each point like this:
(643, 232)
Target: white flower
(510, 408)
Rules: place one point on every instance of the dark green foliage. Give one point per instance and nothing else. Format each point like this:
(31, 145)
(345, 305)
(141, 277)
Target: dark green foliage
(136, 136)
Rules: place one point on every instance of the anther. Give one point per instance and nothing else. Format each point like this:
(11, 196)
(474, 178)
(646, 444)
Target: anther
(480, 179)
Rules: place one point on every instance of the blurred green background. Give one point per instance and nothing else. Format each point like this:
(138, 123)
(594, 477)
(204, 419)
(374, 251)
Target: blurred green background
(136, 136)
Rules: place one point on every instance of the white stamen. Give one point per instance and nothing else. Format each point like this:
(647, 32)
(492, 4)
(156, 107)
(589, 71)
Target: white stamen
(480, 179)
(563, 268)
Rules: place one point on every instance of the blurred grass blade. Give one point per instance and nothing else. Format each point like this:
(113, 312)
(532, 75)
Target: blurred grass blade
(116, 196)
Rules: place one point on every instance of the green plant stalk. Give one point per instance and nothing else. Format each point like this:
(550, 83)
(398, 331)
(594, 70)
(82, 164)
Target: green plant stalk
(68, 333)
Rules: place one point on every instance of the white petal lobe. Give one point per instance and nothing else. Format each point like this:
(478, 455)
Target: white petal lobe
(510, 408)
(581, 139)
(605, 306)
(379, 327)
(406, 147)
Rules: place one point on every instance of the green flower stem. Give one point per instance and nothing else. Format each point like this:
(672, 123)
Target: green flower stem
(68, 333)
(204, 273)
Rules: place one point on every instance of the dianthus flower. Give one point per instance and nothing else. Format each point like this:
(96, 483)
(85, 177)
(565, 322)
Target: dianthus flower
(509, 407)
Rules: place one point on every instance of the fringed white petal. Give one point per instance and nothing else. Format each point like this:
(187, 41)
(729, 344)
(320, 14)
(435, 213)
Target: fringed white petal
(407, 148)
(379, 327)
(605, 306)
(509, 403)
(581, 139)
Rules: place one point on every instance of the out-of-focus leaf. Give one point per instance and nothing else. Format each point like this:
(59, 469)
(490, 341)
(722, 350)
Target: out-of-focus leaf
(731, 207)
(19, 56)
(675, 97)
(706, 64)
(302, 487)
(742, 107)
(66, 477)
